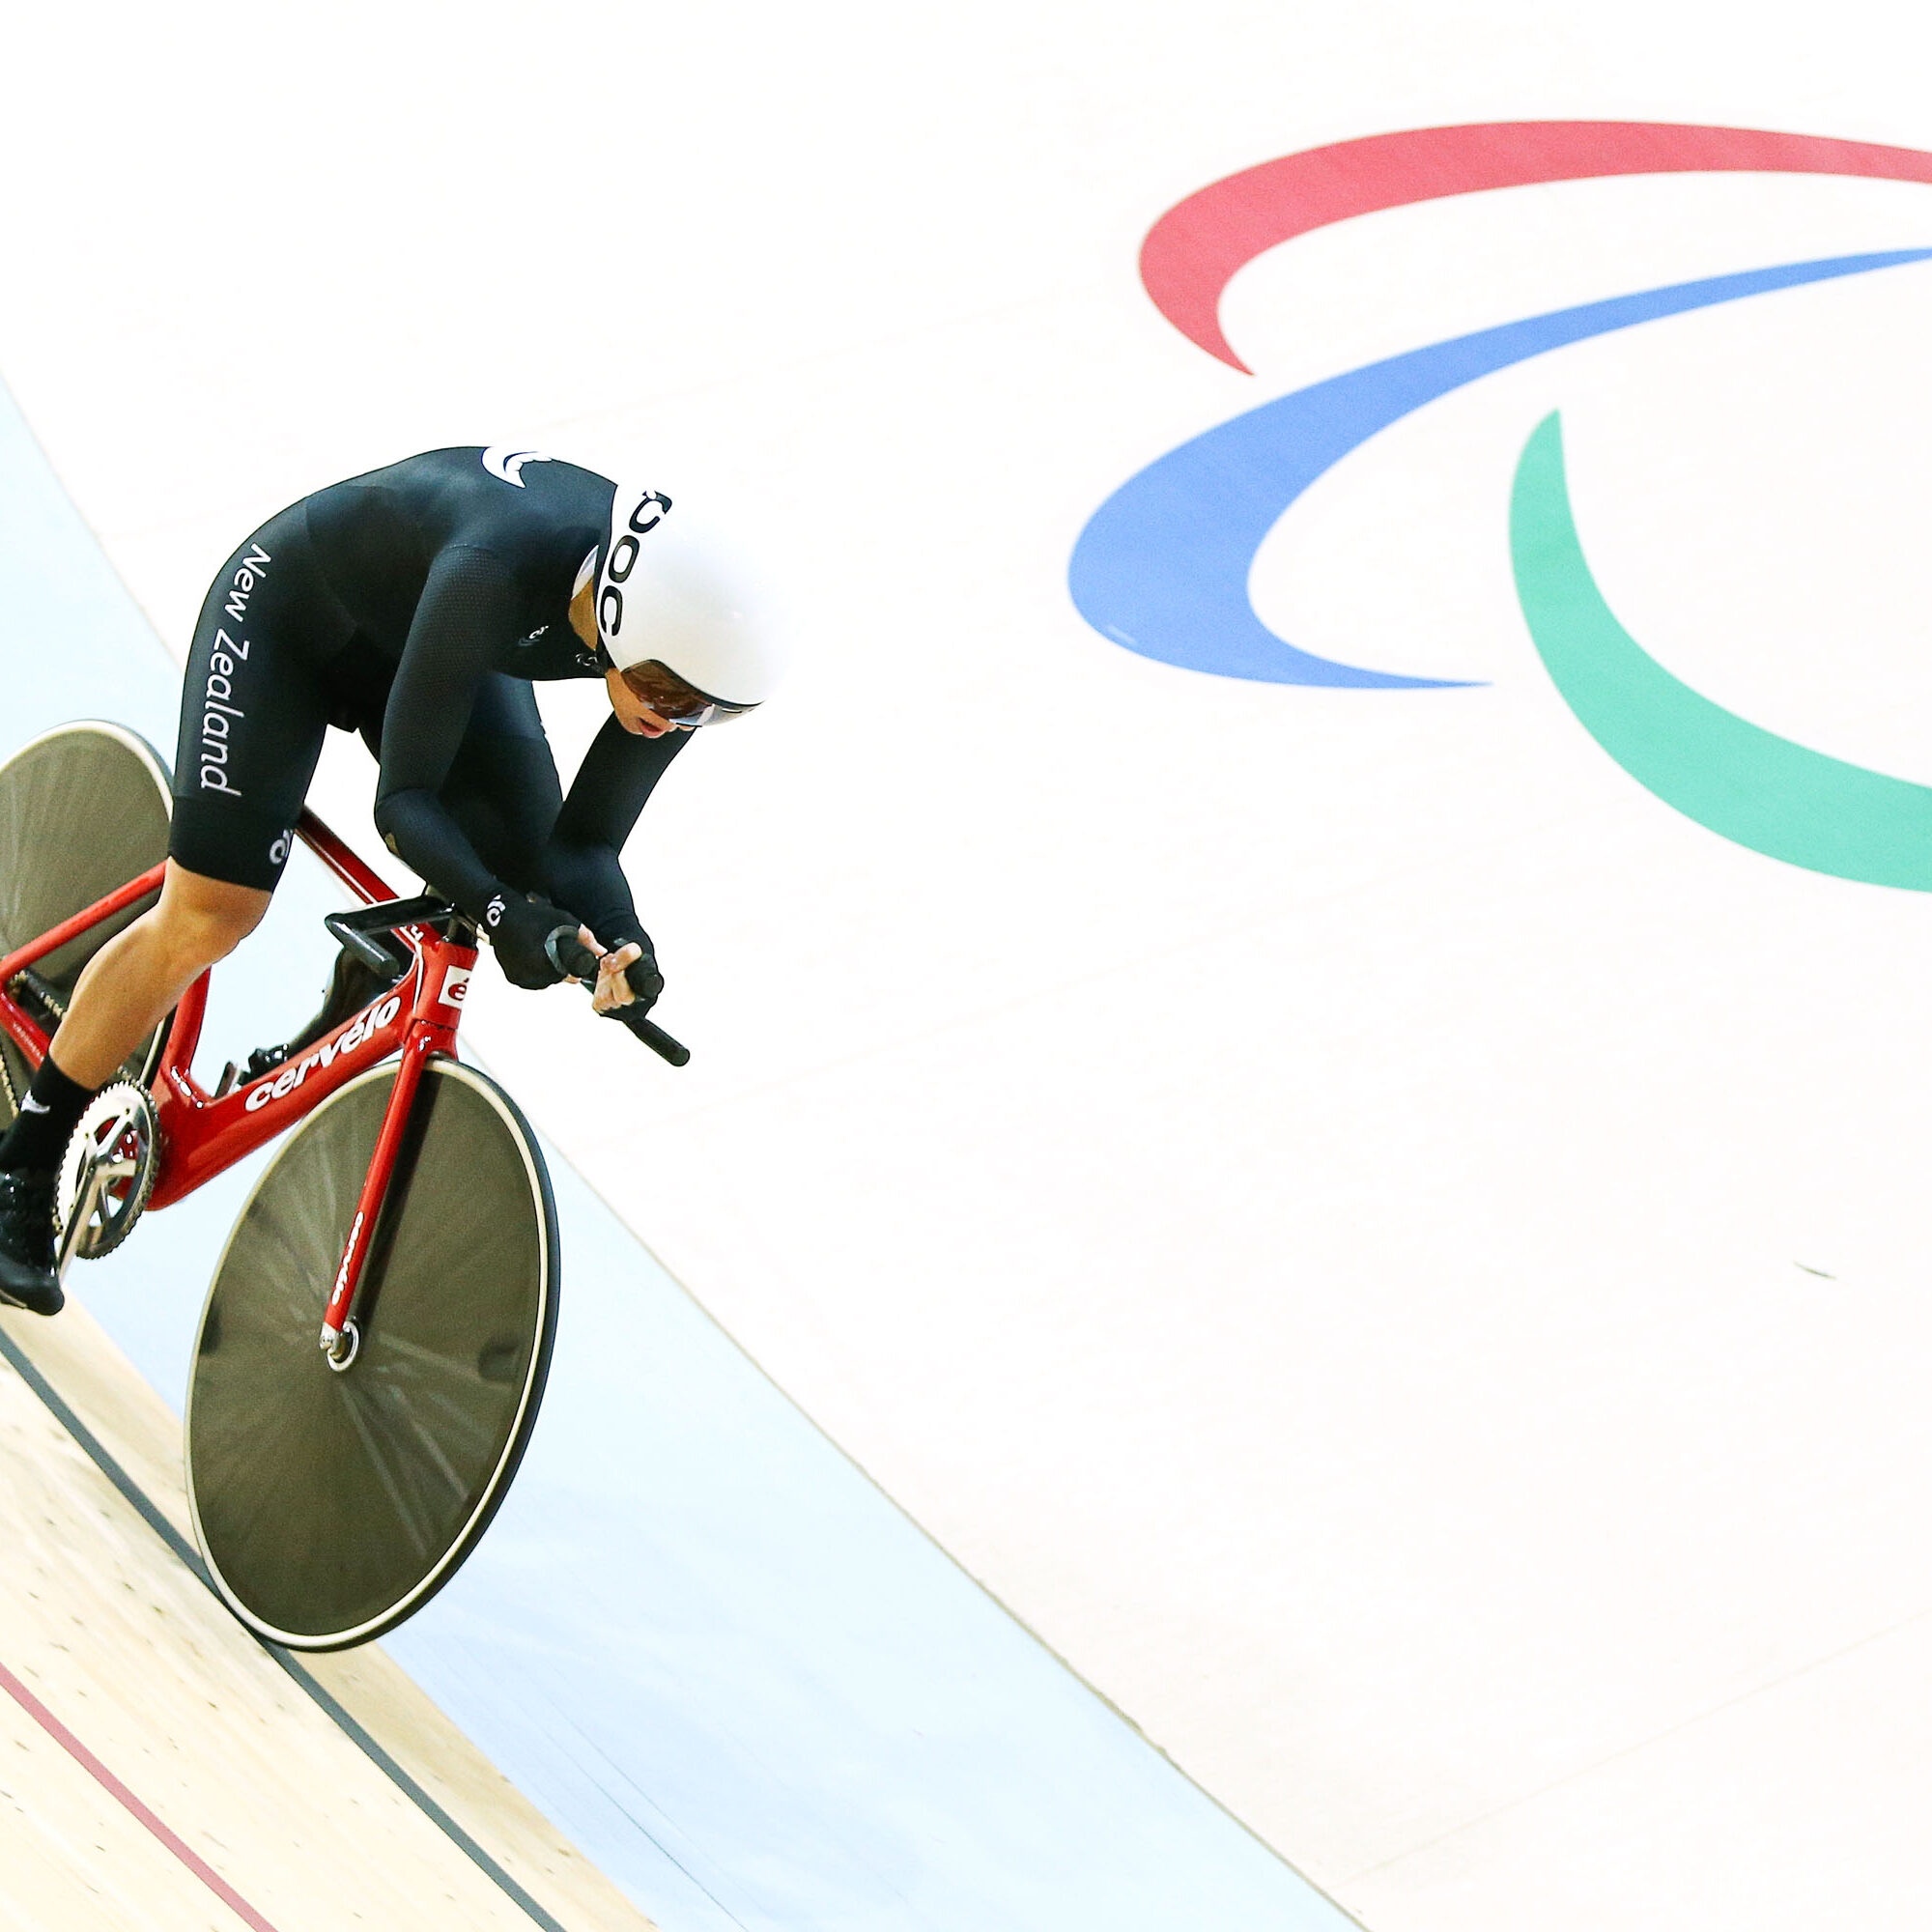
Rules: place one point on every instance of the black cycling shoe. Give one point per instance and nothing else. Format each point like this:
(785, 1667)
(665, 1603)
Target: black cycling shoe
(351, 986)
(27, 1277)
(263, 1059)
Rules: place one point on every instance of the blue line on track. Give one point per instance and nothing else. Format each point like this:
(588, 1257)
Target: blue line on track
(1162, 566)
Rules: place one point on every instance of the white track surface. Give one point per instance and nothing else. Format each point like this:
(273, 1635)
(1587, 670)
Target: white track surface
(1311, 1196)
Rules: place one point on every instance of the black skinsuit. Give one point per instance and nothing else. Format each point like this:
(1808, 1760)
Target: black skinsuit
(415, 604)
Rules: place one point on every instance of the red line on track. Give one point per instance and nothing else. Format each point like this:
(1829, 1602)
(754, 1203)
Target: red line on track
(111, 1784)
(1194, 250)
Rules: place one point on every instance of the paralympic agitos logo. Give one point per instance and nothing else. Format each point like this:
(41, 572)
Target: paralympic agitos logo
(1162, 567)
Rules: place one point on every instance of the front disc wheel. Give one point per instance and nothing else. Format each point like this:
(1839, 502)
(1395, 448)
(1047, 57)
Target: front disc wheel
(332, 1503)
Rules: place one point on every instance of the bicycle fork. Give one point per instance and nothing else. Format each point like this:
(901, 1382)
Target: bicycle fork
(341, 1338)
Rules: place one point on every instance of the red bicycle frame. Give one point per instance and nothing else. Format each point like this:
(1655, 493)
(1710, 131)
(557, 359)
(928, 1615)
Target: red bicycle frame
(199, 1133)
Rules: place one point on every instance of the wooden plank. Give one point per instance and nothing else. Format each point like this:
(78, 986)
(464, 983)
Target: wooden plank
(106, 1627)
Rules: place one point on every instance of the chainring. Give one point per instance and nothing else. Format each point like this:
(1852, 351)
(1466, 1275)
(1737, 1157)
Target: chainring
(107, 1171)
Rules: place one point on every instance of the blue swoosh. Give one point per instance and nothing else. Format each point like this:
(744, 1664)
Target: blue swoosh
(1162, 566)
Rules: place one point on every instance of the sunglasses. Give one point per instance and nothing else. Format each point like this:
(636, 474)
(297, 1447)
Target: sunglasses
(675, 701)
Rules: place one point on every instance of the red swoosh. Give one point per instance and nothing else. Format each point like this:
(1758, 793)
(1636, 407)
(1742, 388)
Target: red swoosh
(1192, 252)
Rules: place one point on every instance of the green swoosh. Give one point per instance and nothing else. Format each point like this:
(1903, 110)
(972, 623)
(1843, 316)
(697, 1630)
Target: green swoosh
(1745, 783)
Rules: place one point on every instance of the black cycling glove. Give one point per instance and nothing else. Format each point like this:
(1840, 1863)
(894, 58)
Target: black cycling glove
(516, 927)
(646, 983)
(621, 929)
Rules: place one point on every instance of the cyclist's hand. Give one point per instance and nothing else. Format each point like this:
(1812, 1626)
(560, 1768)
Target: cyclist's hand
(517, 928)
(613, 988)
(628, 977)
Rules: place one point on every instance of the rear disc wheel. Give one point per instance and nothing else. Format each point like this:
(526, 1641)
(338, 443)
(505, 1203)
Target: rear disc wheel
(83, 809)
(330, 1505)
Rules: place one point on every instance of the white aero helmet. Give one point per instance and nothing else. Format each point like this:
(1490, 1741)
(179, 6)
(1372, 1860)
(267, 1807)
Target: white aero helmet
(669, 595)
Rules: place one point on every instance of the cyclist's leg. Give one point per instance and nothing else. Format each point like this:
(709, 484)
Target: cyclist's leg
(254, 713)
(252, 717)
(132, 983)
(255, 707)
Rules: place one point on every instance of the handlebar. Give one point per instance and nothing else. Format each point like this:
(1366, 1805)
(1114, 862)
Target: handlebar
(357, 932)
(576, 960)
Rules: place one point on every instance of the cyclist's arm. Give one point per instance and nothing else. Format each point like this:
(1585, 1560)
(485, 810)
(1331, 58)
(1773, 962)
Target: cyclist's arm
(581, 866)
(465, 614)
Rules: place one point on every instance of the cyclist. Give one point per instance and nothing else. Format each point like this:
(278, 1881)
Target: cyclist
(415, 605)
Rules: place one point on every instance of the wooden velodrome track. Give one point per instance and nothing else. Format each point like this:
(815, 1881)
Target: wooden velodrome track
(161, 1769)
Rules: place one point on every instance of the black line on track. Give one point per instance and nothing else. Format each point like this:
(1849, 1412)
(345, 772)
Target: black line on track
(151, 1514)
